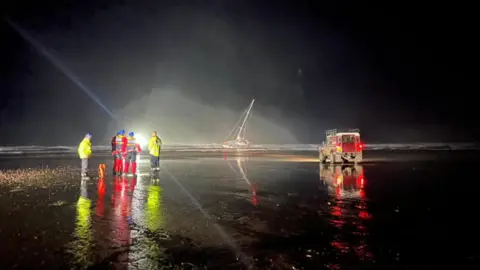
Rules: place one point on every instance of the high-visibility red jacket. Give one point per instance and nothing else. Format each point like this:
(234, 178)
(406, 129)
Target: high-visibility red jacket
(114, 145)
(119, 143)
(133, 146)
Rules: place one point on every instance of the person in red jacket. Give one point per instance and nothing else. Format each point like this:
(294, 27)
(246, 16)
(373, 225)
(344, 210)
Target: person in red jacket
(114, 152)
(119, 147)
(133, 148)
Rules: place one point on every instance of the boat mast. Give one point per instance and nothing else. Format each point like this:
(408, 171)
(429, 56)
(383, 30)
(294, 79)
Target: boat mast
(237, 125)
(245, 119)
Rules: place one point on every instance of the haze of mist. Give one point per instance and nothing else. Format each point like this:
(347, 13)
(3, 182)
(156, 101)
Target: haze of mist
(190, 71)
(192, 87)
(180, 119)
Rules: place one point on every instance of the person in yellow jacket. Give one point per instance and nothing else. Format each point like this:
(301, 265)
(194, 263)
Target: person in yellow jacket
(154, 146)
(84, 152)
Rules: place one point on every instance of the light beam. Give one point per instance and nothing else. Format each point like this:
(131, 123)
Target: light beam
(56, 62)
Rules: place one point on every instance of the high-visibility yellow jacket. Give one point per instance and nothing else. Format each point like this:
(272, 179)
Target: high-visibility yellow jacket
(85, 149)
(154, 146)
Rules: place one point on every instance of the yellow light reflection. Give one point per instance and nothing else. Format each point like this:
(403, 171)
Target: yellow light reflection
(81, 247)
(292, 158)
(154, 212)
(151, 216)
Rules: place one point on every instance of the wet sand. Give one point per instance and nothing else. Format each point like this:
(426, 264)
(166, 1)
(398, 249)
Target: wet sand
(235, 210)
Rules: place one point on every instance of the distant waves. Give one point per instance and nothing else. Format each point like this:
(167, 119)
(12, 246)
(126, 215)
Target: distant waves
(12, 150)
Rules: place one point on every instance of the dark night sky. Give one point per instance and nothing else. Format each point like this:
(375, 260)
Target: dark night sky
(399, 73)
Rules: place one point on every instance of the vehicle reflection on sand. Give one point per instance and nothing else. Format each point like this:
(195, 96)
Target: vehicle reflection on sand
(238, 165)
(348, 208)
(346, 181)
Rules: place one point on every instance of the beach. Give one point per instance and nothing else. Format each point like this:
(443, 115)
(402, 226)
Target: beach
(243, 209)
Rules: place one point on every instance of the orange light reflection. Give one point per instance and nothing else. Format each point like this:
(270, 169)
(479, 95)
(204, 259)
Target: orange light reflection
(101, 192)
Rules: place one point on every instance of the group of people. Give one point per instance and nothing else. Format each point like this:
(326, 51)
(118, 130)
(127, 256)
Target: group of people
(124, 151)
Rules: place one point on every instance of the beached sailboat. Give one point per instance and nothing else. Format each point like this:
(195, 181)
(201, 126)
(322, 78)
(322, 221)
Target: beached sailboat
(239, 130)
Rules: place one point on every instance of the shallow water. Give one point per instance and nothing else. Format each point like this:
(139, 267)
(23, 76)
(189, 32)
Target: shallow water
(273, 211)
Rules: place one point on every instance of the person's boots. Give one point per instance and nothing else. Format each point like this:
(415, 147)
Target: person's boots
(120, 167)
(153, 170)
(134, 168)
(114, 169)
(127, 165)
(117, 166)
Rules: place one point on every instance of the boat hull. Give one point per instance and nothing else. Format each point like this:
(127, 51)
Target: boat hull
(237, 144)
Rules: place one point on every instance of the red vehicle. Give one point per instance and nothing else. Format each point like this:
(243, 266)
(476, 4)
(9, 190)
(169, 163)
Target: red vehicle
(341, 146)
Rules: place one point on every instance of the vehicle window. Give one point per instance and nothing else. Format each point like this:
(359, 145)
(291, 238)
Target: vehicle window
(348, 139)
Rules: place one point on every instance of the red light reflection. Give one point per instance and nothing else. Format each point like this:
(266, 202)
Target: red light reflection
(101, 192)
(347, 183)
(345, 179)
(254, 198)
(122, 202)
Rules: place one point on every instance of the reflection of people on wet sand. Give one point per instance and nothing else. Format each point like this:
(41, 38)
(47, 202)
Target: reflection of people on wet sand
(147, 214)
(154, 212)
(122, 202)
(81, 247)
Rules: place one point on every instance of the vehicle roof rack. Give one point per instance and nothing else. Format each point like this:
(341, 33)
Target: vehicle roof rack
(333, 132)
